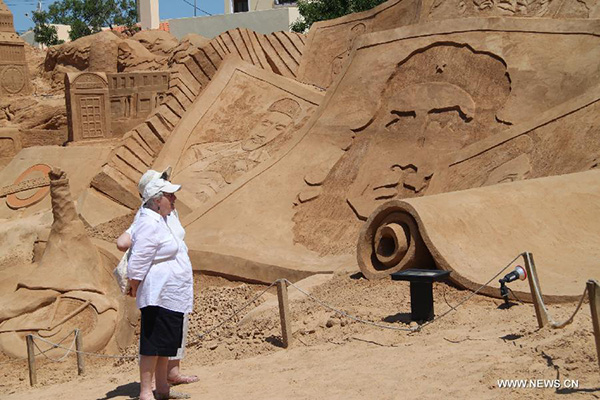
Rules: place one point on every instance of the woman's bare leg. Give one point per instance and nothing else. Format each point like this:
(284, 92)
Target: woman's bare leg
(162, 385)
(147, 366)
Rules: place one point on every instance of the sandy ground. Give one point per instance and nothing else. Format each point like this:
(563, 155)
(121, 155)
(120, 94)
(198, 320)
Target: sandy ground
(462, 355)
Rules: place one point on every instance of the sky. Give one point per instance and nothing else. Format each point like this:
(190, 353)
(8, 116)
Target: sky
(168, 9)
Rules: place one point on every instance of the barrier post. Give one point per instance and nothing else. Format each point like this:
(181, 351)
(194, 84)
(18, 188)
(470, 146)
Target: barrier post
(534, 284)
(31, 361)
(79, 348)
(594, 294)
(284, 313)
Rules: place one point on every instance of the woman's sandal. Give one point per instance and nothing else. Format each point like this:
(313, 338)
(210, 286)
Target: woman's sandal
(171, 395)
(183, 380)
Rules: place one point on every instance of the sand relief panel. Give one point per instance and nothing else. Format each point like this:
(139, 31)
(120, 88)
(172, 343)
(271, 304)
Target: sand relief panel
(330, 42)
(568, 144)
(444, 9)
(88, 106)
(248, 124)
(438, 100)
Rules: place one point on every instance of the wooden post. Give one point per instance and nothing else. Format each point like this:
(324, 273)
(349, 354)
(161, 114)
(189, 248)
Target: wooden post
(594, 295)
(31, 360)
(79, 348)
(534, 285)
(284, 313)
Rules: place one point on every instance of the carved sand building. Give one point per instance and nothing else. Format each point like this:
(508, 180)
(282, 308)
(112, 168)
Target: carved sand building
(14, 76)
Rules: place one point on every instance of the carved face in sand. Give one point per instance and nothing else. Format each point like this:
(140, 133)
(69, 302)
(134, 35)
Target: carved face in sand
(423, 116)
(438, 100)
(279, 117)
(271, 125)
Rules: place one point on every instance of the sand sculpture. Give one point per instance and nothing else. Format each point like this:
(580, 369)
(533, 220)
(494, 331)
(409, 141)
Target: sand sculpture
(88, 106)
(487, 224)
(100, 52)
(101, 106)
(277, 52)
(10, 144)
(24, 190)
(14, 76)
(134, 96)
(160, 43)
(442, 131)
(188, 44)
(69, 288)
(329, 42)
(269, 111)
(442, 111)
(443, 9)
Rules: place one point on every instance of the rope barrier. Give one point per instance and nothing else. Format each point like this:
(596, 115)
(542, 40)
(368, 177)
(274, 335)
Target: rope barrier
(569, 320)
(43, 352)
(345, 314)
(453, 308)
(208, 332)
(416, 328)
(201, 336)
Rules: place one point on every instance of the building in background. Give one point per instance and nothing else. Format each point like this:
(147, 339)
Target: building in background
(62, 31)
(236, 6)
(148, 14)
(262, 16)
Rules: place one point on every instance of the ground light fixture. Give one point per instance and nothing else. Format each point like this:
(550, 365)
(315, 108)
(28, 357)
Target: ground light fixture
(518, 273)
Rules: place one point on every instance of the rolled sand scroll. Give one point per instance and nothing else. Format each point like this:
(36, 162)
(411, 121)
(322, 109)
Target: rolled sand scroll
(390, 241)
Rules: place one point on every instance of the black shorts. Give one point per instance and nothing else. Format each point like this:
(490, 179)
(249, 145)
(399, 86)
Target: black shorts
(161, 333)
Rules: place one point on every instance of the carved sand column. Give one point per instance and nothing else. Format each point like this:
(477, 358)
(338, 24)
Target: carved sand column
(69, 249)
(63, 208)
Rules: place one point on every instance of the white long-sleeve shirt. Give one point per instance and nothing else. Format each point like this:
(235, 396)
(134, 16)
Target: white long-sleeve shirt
(159, 259)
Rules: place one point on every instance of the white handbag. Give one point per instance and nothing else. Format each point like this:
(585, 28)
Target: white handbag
(120, 273)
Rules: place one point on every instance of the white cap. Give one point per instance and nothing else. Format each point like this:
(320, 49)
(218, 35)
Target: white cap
(151, 175)
(156, 186)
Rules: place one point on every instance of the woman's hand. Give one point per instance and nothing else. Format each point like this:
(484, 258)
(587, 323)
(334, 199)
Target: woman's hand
(133, 287)
(124, 242)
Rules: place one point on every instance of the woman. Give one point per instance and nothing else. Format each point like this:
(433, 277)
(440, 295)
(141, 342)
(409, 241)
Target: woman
(161, 279)
(174, 375)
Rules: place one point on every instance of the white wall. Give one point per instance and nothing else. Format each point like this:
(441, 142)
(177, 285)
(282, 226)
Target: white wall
(148, 12)
(253, 5)
(266, 21)
(62, 32)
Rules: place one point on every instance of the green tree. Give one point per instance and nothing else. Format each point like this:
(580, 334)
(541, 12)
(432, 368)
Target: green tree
(89, 16)
(312, 11)
(43, 32)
